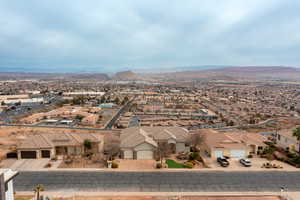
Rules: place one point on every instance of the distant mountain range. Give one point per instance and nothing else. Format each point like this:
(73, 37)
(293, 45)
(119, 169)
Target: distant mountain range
(127, 75)
(192, 73)
(235, 73)
(52, 76)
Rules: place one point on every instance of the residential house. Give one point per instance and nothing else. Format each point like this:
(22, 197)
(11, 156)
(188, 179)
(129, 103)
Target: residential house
(143, 142)
(56, 144)
(255, 141)
(6, 184)
(285, 139)
(218, 144)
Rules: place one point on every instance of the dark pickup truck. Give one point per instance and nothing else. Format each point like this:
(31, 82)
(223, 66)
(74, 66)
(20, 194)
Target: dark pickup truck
(223, 162)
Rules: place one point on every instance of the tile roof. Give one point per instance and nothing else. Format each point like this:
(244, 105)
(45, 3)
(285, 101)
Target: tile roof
(51, 140)
(133, 136)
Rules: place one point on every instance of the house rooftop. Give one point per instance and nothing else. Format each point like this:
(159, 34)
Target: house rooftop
(50, 140)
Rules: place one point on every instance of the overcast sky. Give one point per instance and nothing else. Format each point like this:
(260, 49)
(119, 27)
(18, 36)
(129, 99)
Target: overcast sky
(111, 35)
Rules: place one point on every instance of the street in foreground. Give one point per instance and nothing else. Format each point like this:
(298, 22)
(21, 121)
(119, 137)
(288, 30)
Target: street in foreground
(158, 181)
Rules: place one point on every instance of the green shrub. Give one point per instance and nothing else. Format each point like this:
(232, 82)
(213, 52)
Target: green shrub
(291, 155)
(189, 165)
(114, 165)
(158, 165)
(88, 154)
(195, 156)
(296, 159)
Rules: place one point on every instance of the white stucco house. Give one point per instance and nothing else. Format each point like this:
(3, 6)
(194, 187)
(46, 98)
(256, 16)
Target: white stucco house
(218, 144)
(6, 184)
(142, 142)
(285, 139)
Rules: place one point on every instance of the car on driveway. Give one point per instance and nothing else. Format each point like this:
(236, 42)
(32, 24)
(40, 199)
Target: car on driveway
(223, 162)
(246, 162)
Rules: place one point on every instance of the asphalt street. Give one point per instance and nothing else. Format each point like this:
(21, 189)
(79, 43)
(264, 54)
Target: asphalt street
(158, 181)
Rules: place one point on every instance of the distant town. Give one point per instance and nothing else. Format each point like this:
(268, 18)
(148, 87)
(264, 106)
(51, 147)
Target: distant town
(150, 123)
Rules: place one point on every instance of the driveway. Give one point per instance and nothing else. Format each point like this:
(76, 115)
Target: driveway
(29, 164)
(256, 165)
(136, 165)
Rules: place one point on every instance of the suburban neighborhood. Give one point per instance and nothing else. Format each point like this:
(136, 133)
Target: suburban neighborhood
(150, 100)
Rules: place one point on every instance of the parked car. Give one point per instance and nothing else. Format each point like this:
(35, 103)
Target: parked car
(246, 162)
(223, 162)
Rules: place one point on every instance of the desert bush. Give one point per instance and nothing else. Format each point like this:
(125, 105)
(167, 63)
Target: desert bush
(114, 165)
(158, 166)
(48, 165)
(189, 165)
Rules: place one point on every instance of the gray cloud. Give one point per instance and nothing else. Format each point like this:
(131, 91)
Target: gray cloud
(112, 35)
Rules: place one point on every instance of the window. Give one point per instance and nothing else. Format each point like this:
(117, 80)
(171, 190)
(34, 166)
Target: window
(278, 136)
(260, 148)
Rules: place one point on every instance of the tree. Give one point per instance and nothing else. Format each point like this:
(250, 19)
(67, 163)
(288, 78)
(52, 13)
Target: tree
(39, 188)
(125, 100)
(79, 100)
(296, 133)
(196, 140)
(87, 144)
(163, 150)
(231, 123)
(103, 99)
(117, 100)
(79, 117)
(111, 146)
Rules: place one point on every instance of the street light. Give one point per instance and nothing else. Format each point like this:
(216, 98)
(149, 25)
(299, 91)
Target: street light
(283, 192)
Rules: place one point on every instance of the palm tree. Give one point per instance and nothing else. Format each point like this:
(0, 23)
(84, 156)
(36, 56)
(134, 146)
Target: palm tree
(39, 188)
(296, 133)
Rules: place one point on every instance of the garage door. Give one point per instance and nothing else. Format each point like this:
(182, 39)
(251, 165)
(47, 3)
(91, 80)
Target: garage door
(128, 154)
(28, 154)
(218, 154)
(45, 154)
(237, 153)
(144, 155)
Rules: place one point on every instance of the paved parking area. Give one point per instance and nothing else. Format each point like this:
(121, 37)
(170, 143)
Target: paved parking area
(256, 165)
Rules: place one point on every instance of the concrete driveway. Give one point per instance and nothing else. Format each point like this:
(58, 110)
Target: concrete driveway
(139, 165)
(29, 164)
(256, 165)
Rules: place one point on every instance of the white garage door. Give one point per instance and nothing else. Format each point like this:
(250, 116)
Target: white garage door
(145, 155)
(237, 153)
(218, 154)
(128, 154)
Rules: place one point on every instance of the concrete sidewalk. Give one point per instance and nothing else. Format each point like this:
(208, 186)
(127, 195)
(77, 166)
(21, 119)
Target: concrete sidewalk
(268, 195)
(219, 169)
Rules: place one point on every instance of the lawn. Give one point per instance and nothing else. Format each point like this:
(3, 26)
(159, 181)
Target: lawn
(173, 164)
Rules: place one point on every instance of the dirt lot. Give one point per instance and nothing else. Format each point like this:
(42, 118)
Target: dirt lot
(174, 198)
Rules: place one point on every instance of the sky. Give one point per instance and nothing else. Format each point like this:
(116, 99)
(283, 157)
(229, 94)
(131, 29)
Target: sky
(151, 35)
